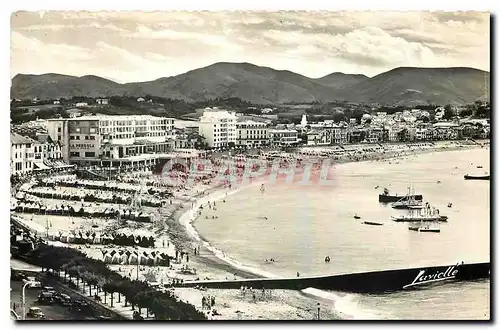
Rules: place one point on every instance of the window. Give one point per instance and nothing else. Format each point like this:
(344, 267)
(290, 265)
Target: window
(92, 137)
(90, 154)
(74, 154)
(59, 130)
(77, 137)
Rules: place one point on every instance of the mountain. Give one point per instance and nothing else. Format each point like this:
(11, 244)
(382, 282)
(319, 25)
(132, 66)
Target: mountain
(246, 81)
(53, 86)
(263, 85)
(409, 85)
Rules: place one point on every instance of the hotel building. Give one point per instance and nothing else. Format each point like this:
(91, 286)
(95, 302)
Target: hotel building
(218, 127)
(252, 134)
(112, 140)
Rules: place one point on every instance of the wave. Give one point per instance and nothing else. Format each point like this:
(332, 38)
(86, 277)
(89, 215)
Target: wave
(344, 304)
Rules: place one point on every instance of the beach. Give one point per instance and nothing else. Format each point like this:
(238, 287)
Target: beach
(175, 224)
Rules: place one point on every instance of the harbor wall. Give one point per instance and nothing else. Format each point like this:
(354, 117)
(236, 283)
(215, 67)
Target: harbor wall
(369, 282)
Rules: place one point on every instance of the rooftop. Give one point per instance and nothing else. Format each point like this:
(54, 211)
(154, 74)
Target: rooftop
(119, 117)
(19, 139)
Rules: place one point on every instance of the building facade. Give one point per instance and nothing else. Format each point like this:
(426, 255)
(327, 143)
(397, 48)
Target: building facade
(283, 137)
(252, 134)
(92, 140)
(218, 127)
(21, 154)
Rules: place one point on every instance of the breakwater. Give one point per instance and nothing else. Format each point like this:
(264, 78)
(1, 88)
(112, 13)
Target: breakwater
(367, 282)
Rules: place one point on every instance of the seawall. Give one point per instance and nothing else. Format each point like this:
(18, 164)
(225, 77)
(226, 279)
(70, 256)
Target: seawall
(369, 282)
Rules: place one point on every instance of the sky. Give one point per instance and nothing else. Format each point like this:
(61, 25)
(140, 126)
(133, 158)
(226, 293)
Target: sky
(141, 46)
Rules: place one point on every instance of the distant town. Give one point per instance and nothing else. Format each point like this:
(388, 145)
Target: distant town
(86, 133)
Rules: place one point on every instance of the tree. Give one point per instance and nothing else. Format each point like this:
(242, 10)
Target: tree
(448, 113)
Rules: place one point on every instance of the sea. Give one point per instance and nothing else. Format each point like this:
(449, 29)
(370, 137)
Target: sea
(298, 225)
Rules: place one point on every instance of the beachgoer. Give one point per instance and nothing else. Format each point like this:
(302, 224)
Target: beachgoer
(298, 274)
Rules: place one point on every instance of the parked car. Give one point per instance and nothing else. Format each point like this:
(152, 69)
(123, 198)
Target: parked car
(64, 299)
(36, 312)
(17, 276)
(49, 289)
(33, 283)
(46, 298)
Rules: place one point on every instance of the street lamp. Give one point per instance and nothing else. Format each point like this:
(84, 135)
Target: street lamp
(138, 256)
(23, 292)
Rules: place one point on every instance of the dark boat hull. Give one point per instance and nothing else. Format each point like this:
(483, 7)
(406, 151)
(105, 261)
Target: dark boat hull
(476, 177)
(443, 218)
(370, 282)
(391, 199)
(372, 223)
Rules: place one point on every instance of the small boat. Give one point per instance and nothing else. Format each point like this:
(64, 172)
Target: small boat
(356, 216)
(479, 166)
(371, 223)
(425, 228)
(450, 204)
(477, 177)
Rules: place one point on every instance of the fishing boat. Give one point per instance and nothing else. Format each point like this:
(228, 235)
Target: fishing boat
(386, 197)
(407, 202)
(427, 213)
(372, 223)
(477, 177)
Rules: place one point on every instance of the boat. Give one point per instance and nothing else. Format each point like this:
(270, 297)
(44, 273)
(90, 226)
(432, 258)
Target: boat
(425, 228)
(371, 223)
(477, 177)
(356, 216)
(386, 197)
(450, 204)
(427, 213)
(407, 202)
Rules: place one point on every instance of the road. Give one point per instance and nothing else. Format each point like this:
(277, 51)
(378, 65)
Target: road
(52, 312)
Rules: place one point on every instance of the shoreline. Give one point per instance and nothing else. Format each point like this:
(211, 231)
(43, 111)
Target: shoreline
(187, 218)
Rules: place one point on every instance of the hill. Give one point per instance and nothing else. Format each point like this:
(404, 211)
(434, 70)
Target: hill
(409, 85)
(53, 86)
(243, 80)
(263, 85)
(341, 80)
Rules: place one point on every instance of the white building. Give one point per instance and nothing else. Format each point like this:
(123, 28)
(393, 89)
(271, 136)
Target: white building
(102, 101)
(218, 127)
(283, 137)
(94, 140)
(81, 104)
(251, 134)
(21, 154)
